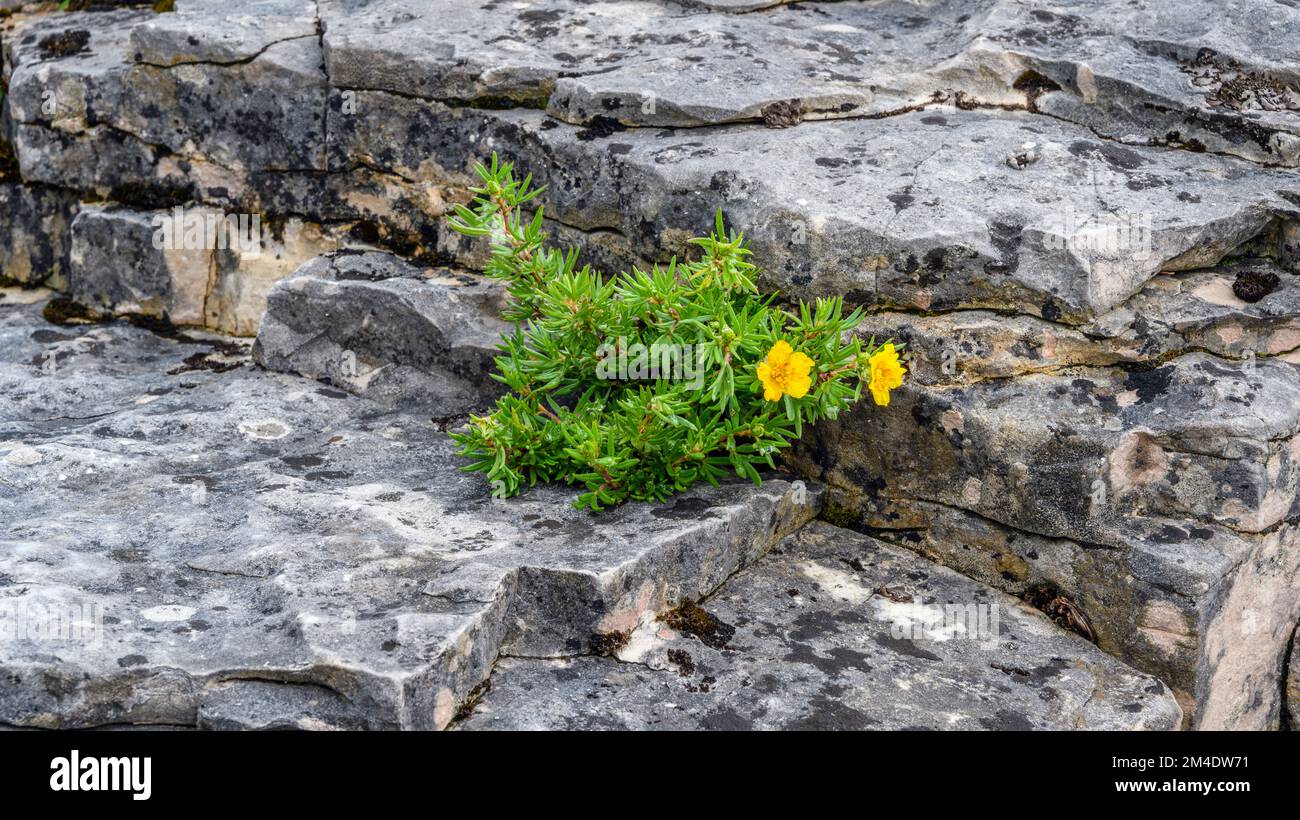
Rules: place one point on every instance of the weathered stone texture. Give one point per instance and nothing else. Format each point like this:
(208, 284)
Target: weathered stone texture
(240, 527)
(835, 630)
(377, 326)
(192, 266)
(1082, 218)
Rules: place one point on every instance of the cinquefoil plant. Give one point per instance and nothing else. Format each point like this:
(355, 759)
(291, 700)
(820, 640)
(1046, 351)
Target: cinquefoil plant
(639, 385)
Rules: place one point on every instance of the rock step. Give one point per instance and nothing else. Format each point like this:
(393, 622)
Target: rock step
(945, 214)
(1098, 478)
(1173, 314)
(1076, 454)
(1228, 88)
(835, 630)
(1162, 501)
(252, 549)
(947, 221)
(380, 327)
(945, 224)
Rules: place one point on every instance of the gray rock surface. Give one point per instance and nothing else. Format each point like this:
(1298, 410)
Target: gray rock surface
(1221, 81)
(1293, 686)
(944, 224)
(212, 532)
(835, 630)
(1076, 454)
(1161, 500)
(380, 327)
(1203, 609)
(1058, 206)
(35, 233)
(196, 266)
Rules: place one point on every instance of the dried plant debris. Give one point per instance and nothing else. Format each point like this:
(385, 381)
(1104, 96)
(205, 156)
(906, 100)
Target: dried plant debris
(1253, 285)
(1228, 85)
(65, 43)
(898, 596)
(682, 659)
(1061, 609)
(783, 113)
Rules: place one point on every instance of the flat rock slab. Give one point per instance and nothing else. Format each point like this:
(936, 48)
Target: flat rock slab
(920, 211)
(1191, 75)
(189, 544)
(836, 630)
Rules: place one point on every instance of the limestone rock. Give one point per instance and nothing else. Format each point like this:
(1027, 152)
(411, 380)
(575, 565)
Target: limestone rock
(265, 113)
(1075, 455)
(944, 223)
(835, 630)
(380, 327)
(35, 233)
(191, 266)
(119, 268)
(1203, 609)
(1293, 686)
(1173, 314)
(251, 527)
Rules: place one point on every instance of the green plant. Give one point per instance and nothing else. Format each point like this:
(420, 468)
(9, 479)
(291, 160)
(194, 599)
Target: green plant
(639, 385)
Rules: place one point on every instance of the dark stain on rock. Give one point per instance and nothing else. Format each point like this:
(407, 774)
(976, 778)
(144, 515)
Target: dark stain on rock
(302, 462)
(49, 337)
(683, 661)
(904, 646)
(685, 509)
(328, 475)
(692, 619)
(600, 127)
(1050, 310)
(128, 661)
(726, 719)
(1034, 85)
(827, 714)
(1006, 721)
(902, 201)
(64, 44)
(63, 311)
(607, 643)
(1149, 383)
(1119, 158)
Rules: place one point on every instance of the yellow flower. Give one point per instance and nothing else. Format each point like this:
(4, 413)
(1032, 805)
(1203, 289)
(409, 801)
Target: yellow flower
(785, 372)
(886, 373)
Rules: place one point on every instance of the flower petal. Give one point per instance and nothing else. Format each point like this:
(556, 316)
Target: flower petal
(798, 386)
(780, 353)
(800, 364)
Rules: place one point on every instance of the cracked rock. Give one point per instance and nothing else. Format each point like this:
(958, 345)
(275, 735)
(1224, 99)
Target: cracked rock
(818, 646)
(208, 531)
(382, 328)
